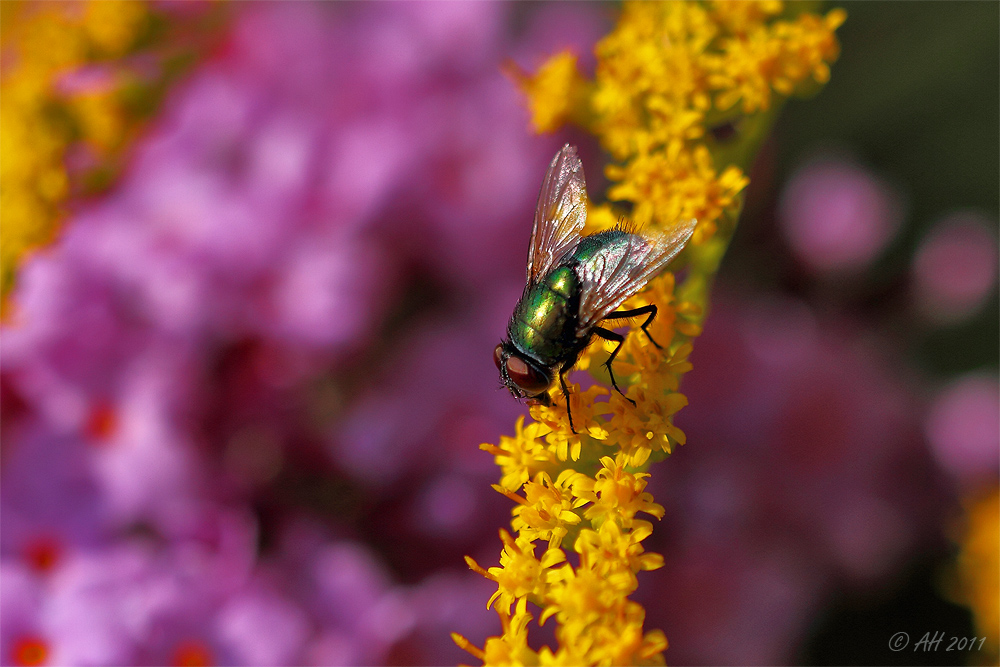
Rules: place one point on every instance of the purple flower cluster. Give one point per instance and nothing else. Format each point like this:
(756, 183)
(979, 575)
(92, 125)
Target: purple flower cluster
(236, 430)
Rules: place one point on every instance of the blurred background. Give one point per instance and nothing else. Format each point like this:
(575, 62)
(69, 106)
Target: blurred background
(244, 386)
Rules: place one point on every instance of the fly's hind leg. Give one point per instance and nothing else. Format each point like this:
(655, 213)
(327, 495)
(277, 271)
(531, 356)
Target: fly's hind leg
(618, 338)
(635, 312)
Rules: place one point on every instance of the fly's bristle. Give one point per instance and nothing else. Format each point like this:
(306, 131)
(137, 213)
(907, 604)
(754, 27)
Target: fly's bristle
(625, 225)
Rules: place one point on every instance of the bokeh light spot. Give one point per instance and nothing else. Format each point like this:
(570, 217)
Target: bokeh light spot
(963, 428)
(955, 268)
(30, 650)
(102, 422)
(192, 653)
(42, 553)
(838, 216)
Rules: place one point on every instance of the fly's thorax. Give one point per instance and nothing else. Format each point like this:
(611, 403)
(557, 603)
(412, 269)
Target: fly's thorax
(608, 246)
(545, 320)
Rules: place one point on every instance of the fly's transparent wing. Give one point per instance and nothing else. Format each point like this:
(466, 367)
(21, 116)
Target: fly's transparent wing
(560, 213)
(623, 267)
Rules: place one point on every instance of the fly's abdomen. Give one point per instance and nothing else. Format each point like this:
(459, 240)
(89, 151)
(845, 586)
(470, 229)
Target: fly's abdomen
(545, 319)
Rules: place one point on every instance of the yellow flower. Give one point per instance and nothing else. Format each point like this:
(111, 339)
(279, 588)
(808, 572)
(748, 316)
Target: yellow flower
(676, 184)
(562, 441)
(520, 574)
(510, 648)
(628, 645)
(616, 554)
(547, 509)
(777, 57)
(114, 25)
(554, 92)
(739, 17)
(616, 494)
(663, 74)
(647, 427)
(522, 456)
(979, 568)
(578, 597)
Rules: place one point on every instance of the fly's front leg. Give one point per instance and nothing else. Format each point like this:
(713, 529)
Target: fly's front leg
(562, 382)
(635, 312)
(618, 338)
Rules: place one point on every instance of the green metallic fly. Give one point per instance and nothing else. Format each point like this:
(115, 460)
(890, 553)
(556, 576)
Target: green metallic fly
(574, 283)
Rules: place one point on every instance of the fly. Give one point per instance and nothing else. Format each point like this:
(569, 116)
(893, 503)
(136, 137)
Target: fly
(574, 284)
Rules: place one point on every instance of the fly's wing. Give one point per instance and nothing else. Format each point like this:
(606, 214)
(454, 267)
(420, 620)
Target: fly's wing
(560, 213)
(624, 268)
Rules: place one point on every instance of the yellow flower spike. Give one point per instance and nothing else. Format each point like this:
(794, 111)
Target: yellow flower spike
(114, 25)
(614, 552)
(580, 597)
(646, 427)
(629, 646)
(666, 76)
(564, 657)
(739, 17)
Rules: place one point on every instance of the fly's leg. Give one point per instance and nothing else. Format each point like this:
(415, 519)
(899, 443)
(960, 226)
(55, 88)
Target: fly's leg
(635, 312)
(562, 382)
(620, 339)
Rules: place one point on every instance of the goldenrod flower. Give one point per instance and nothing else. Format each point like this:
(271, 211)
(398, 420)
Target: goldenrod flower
(617, 494)
(547, 510)
(511, 648)
(520, 573)
(666, 75)
(563, 442)
(523, 455)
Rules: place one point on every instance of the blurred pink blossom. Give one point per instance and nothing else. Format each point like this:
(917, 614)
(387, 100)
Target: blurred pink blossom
(955, 268)
(963, 429)
(837, 215)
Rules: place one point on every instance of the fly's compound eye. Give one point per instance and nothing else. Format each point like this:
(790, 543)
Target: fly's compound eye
(526, 377)
(498, 357)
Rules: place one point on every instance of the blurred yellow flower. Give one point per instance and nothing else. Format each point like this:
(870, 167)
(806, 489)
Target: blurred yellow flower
(669, 76)
(979, 570)
(62, 90)
(554, 93)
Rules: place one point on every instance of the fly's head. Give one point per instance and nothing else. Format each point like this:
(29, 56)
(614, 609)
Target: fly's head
(523, 376)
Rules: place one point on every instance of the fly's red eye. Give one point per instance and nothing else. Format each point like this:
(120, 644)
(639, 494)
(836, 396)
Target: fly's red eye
(498, 357)
(526, 377)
